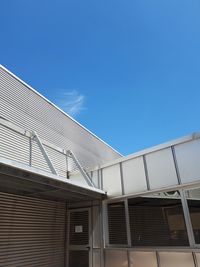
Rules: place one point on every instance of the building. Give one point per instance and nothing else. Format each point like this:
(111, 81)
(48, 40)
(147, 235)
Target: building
(69, 199)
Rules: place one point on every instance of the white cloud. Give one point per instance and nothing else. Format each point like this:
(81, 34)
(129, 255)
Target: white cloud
(72, 102)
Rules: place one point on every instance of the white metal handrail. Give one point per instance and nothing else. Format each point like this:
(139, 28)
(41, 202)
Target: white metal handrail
(30, 137)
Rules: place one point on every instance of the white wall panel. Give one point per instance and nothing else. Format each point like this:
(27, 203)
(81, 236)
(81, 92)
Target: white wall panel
(134, 176)
(78, 178)
(142, 259)
(116, 258)
(188, 160)
(112, 180)
(176, 259)
(161, 169)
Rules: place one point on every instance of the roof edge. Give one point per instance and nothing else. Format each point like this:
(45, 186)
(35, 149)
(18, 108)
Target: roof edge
(177, 141)
(55, 106)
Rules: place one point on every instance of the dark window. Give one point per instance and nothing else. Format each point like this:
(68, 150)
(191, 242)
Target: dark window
(79, 230)
(193, 199)
(157, 221)
(117, 224)
(78, 258)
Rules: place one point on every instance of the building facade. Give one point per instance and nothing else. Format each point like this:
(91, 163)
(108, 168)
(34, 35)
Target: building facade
(68, 199)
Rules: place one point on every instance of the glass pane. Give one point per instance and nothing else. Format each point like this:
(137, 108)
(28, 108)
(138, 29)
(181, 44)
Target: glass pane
(157, 220)
(79, 228)
(117, 224)
(78, 258)
(193, 199)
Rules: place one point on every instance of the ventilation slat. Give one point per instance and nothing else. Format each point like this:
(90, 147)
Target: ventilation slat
(32, 232)
(117, 224)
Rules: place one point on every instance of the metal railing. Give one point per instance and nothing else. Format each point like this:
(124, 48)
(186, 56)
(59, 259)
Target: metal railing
(26, 147)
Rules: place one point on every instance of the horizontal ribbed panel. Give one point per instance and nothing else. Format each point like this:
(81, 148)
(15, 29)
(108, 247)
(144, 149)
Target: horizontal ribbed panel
(25, 108)
(32, 232)
(37, 158)
(14, 146)
(59, 161)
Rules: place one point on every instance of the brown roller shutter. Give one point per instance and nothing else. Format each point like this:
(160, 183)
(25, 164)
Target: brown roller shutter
(32, 232)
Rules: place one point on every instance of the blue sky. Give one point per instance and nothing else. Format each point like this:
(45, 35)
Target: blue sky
(129, 70)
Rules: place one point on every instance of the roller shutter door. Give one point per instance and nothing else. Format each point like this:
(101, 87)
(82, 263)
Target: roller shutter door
(32, 232)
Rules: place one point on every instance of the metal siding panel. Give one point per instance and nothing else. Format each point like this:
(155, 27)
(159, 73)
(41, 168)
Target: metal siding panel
(161, 169)
(116, 258)
(134, 176)
(142, 259)
(188, 160)
(14, 146)
(176, 259)
(37, 158)
(112, 180)
(59, 161)
(22, 106)
(32, 232)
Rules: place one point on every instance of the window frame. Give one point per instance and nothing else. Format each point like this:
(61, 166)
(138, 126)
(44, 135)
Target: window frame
(186, 214)
(193, 243)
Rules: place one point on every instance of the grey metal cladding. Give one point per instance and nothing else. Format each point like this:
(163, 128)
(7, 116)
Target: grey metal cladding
(8, 145)
(59, 160)
(38, 160)
(24, 107)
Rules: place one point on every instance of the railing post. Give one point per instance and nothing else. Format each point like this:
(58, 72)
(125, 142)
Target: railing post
(82, 171)
(42, 149)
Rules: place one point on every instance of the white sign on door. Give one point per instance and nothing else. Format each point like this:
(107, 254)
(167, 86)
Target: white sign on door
(78, 228)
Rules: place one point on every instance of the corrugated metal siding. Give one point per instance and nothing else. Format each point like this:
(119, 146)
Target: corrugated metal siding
(32, 232)
(25, 108)
(59, 161)
(38, 159)
(14, 146)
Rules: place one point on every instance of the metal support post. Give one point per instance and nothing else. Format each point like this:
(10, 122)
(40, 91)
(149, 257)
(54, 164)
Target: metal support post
(83, 172)
(44, 153)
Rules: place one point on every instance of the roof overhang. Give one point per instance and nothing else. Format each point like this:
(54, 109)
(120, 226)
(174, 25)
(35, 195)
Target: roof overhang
(29, 181)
